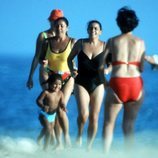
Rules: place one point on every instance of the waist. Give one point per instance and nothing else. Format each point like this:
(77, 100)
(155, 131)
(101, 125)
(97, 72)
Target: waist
(64, 75)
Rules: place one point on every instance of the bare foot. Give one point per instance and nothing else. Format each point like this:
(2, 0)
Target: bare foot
(58, 147)
(67, 142)
(79, 141)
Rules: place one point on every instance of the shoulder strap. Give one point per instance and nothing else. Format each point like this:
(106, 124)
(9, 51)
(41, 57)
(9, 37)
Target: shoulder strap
(44, 35)
(104, 45)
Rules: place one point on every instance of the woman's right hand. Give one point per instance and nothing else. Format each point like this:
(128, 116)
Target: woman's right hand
(45, 63)
(29, 84)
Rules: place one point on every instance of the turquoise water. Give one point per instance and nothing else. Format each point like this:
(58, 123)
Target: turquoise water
(20, 126)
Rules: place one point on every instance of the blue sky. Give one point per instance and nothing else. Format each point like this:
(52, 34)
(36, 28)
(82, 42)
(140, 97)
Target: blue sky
(22, 20)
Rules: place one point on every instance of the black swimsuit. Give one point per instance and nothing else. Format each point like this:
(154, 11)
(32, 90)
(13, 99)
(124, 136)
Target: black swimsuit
(90, 74)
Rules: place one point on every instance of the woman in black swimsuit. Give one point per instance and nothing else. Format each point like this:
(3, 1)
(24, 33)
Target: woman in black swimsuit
(89, 83)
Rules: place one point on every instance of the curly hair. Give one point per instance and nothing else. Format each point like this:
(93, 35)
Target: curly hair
(127, 19)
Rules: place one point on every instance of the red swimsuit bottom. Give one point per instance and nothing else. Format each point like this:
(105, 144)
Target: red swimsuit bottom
(127, 89)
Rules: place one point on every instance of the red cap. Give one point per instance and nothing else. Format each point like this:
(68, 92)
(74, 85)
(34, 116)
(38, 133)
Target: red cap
(55, 14)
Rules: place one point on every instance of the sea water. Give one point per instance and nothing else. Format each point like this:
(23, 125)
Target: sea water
(20, 125)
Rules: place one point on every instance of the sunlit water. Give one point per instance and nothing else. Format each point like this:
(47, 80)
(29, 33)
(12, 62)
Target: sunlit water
(20, 126)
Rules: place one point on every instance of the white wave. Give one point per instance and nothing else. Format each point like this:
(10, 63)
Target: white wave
(27, 148)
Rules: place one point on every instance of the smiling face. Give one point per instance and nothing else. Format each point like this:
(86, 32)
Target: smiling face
(94, 29)
(56, 85)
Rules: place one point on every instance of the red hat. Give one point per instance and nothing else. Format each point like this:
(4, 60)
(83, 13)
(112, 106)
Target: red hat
(55, 14)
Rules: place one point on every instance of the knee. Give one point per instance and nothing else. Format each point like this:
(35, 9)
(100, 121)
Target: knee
(127, 128)
(83, 117)
(93, 119)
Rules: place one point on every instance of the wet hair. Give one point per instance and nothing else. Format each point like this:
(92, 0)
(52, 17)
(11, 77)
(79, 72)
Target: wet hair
(53, 78)
(63, 19)
(94, 21)
(127, 19)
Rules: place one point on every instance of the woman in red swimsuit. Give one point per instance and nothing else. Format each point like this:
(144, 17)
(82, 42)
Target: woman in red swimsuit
(126, 85)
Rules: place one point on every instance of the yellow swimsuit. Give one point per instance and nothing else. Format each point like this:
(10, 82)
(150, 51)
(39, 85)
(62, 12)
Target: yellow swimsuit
(57, 62)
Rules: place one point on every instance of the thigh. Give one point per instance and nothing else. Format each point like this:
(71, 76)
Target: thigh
(96, 99)
(67, 89)
(82, 98)
(112, 106)
(131, 109)
(44, 122)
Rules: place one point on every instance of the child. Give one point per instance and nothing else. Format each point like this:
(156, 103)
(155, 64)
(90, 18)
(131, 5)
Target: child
(49, 101)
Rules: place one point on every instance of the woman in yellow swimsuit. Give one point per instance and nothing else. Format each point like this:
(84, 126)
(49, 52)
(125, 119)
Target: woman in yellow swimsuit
(58, 50)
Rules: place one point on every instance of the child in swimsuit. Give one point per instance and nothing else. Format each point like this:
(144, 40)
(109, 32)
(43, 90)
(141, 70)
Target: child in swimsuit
(49, 101)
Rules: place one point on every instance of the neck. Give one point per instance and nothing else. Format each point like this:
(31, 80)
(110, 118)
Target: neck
(61, 38)
(93, 41)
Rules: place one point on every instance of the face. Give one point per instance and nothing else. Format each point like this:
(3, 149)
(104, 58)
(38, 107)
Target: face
(55, 86)
(94, 30)
(61, 27)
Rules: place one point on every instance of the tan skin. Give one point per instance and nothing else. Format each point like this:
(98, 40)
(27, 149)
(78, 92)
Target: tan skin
(88, 104)
(49, 101)
(125, 47)
(58, 44)
(40, 51)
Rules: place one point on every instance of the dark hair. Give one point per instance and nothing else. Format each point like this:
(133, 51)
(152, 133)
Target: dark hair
(127, 19)
(62, 18)
(94, 21)
(53, 78)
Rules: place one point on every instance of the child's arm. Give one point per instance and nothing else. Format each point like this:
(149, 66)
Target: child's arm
(40, 100)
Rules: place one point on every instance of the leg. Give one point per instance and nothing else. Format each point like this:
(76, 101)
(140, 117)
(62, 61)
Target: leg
(42, 133)
(62, 122)
(83, 99)
(46, 130)
(58, 133)
(112, 108)
(130, 113)
(95, 104)
(52, 134)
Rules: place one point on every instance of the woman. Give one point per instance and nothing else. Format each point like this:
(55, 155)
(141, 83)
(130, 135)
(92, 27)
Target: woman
(40, 50)
(58, 50)
(126, 85)
(89, 83)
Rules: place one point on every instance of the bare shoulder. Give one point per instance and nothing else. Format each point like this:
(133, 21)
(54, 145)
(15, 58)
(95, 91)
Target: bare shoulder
(40, 37)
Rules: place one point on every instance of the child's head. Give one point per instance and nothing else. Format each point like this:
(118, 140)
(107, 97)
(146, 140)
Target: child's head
(54, 82)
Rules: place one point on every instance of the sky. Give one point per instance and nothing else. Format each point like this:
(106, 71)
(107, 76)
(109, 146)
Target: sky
(22, 21)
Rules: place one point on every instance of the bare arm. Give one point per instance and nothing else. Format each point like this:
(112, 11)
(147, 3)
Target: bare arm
(142, 57)
(40, 99)
(75, 50)
(35, 60)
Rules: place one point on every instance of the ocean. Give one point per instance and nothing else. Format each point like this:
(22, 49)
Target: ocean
(20, 126)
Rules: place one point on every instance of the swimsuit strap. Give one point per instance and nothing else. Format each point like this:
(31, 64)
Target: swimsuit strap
(45, 35)
(136, 63)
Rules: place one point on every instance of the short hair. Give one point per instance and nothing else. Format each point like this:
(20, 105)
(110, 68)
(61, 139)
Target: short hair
(63, 19)
(94, 21)
(53, 78)
(127, 19)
